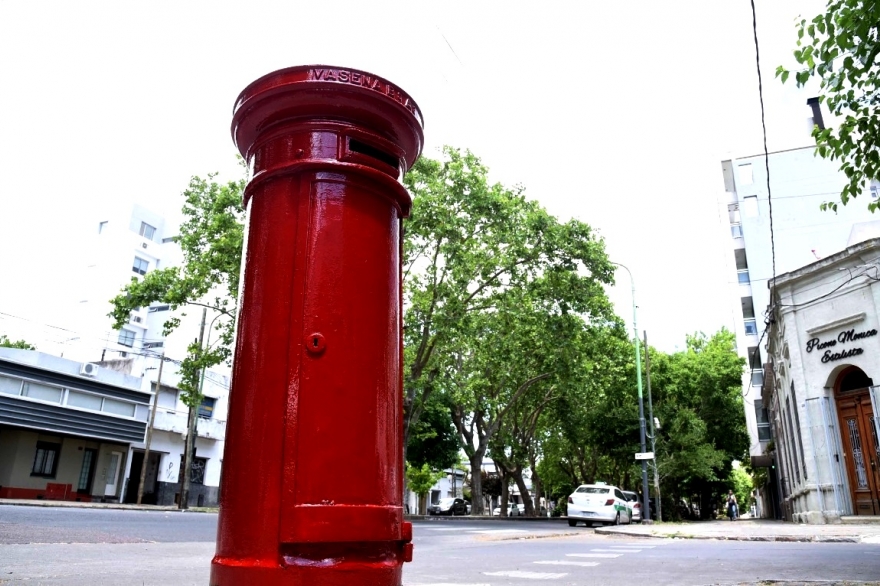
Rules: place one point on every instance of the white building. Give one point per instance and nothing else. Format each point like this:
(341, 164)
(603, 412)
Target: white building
(76, 431)
(127, 242)
(799, 182)
(824, 354)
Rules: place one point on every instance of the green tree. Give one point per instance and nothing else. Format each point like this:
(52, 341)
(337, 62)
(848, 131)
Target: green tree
(469, 244)
(5, 342)
(698, 397)
(840, 48)
(211, 240)
(433, 440)
(420, 480)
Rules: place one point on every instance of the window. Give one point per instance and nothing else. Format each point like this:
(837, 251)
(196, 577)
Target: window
(118, 407)
(42, 392)
(744, 174)
(743, 277)
(126, 338)
(736, 230)
(748, 307)
(83, 400)
(10, 386)
(739, 256)
(140, 266)
(794, 451)
(147, 231)
(157, 308)
(751, 327)
(763, 420)
(206, 409)
(750, 206)
(757, 378)
(46, 460)
(754, 357)
(874, 189)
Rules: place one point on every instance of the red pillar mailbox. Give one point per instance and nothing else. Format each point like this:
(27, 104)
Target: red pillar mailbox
(313, 472)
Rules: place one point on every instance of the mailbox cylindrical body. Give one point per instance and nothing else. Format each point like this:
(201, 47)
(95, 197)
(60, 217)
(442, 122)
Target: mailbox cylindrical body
(312, 470)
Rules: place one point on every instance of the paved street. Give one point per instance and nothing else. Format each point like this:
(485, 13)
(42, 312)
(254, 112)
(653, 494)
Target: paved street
(94, 547)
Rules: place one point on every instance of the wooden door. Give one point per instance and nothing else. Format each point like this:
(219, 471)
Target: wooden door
(860, 451)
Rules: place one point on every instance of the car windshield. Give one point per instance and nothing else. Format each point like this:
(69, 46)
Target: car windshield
(593, 490)
(446, 502)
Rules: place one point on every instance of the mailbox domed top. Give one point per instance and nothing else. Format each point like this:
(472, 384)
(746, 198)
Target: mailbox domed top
(315, 93)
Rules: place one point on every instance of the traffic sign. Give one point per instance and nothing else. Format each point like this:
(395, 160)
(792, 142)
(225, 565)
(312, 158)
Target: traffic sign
(644, 455)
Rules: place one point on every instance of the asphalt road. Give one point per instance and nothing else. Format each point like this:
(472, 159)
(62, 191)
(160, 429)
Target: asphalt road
(87, 547)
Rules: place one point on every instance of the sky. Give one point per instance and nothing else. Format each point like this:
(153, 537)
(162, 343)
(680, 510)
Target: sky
(618, 114)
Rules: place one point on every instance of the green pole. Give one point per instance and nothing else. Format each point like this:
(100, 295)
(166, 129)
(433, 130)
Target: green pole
(645, 504)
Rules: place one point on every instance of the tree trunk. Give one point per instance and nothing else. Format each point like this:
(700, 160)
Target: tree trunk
(477, 483)
(523, 490)
(536, 487)
(505, 493)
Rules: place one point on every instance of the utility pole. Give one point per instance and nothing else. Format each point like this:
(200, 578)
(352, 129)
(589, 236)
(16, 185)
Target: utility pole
(645, 503)
(189, 449)
(150, 430)
(653, 428)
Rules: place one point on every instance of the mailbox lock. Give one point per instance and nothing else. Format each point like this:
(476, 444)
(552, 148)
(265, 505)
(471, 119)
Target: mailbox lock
(315, 343)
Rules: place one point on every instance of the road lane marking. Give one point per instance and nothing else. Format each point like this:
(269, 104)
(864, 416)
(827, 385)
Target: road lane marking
(447, 584)
(615, 550)
(594, 555)
(568, 563)
(496, 531)
(530, 575)
(631, 546)
(444, 529)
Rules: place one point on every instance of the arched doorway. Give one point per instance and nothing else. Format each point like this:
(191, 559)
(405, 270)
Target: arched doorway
(859, 435)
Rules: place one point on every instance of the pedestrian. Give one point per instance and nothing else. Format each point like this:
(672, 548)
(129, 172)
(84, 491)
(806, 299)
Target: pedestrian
(731, 505)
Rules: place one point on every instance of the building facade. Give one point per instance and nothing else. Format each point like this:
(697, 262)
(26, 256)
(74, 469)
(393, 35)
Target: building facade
(823, 356)
(66, 430)
(802, 233)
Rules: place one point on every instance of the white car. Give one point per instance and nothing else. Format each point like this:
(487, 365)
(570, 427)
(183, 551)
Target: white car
(598, 503)
(513, 510)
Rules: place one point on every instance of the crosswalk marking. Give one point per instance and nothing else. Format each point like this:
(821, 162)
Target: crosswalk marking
(615, 550)
(568, 563)
(531, 575)
(594, 555)
(627, 547)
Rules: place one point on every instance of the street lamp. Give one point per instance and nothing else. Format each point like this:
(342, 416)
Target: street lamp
(645, 505)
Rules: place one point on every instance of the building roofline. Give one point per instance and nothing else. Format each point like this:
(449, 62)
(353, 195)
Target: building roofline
(814, 267)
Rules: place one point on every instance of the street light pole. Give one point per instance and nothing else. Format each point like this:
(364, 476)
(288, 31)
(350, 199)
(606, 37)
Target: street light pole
(140, 493)
(645, 505)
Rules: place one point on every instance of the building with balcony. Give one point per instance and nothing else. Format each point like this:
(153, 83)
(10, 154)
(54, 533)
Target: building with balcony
(802, 234)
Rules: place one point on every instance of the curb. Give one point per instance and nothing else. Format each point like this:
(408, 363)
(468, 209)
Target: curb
(779, 538)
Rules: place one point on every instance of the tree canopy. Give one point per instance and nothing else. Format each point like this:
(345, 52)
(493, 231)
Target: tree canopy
(5, 342)
(840, 49)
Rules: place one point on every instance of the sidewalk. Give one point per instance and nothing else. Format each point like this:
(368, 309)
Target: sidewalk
(752, 530)
(82, 505)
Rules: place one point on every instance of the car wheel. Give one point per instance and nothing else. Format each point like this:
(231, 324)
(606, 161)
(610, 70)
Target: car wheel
(617, 518)
(572, 522)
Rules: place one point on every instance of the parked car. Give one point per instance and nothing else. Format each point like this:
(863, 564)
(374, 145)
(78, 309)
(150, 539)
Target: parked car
(635, 503)
(449, 506)
(598, 503)
(513, 510)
